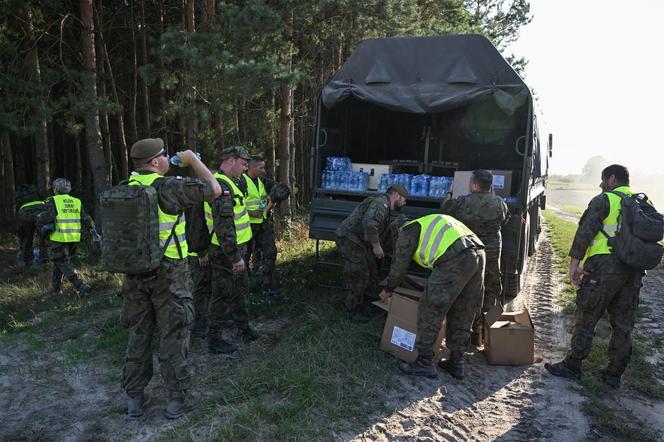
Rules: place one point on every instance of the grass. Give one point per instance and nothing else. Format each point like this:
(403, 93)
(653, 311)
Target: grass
(640, 376)
(572, 210)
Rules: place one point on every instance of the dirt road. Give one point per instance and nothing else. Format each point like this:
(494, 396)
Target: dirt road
(494, 402)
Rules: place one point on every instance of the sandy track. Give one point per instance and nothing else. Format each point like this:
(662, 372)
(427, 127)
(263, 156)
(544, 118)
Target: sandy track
(494, 402)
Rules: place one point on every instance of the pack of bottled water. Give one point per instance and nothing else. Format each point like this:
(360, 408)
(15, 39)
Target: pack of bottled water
(345, 180)
(387, 179)
(439, 186)
(338, 163)
(419, 185)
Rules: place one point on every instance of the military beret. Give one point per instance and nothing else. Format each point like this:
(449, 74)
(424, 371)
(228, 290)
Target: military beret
(398, 188)
(235, 151)
(146, 148)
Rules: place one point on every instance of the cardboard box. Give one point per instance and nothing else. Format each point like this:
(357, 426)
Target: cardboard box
(502, 182)
(509, 337)
(374, 170)
(400, 330)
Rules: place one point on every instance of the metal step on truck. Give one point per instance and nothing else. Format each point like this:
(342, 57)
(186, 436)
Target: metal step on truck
(433, 106)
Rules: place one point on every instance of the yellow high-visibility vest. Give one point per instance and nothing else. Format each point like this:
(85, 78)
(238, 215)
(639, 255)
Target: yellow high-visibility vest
(600, 243)
(240, 216)
(437, 234)
(166, 221)
(67, 219)
(254, 196)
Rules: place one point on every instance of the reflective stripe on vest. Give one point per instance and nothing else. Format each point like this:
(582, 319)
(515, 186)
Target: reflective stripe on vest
(254, 196)
(437, 234)
(67, 219)
(31, 203)
(166, 221)
(240, 215)
(600, 243)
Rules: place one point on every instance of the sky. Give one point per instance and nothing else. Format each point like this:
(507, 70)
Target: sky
(598, 71)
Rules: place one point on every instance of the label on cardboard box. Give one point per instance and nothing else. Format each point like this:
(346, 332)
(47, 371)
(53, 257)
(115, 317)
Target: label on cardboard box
(499, 181)
(403, 338)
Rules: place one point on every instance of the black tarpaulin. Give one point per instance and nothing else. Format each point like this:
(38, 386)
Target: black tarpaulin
(426, 75)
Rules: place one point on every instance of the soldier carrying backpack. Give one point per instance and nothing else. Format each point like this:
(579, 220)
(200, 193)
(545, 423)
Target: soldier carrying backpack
(144, 237)
(609, 280)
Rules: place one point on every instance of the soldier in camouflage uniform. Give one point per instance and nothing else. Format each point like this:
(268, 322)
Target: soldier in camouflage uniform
(230, 281)
(484, 213)
(603, 282)
(162, 298)
(262, 243)
(198, 240)
(454, 289)
(62, 246)
(358, 243)
(29, 205)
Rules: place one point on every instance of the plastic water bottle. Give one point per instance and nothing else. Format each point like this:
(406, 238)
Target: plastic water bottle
(177, 162)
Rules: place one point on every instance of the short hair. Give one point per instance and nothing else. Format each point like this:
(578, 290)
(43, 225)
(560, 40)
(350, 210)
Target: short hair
(620, 172)
(483, 178)
(61, 186)
(255, 160)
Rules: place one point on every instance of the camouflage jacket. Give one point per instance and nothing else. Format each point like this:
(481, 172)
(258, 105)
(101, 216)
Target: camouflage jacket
(590, 225)
(407, 242)
(482, 212)
(223, 219)
(368, 221)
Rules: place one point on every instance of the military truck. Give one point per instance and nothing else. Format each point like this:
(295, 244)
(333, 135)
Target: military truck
(434, 105)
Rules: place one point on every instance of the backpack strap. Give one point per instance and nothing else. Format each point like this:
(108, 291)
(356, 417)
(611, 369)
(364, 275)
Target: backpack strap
(171, 236)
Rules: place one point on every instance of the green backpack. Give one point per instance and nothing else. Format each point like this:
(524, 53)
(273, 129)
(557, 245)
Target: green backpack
(130, 225)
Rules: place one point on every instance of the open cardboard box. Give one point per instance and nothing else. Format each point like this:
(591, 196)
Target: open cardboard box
(509, 337)
(400, 330)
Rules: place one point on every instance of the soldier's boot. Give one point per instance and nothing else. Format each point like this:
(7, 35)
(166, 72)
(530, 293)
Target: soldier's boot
(181, 403)
(564, 369)
(422, 366)
(454, 365)
(136, 404)
(83, 289)
(610, 378)
(246, 334)
(476, 336)
(221, 346)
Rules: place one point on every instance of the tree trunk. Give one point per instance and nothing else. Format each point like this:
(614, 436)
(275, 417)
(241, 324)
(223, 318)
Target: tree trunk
(219, 130)
(79, 161)
(7, 167)
(285, 130)
(272, 148)
(103, 117)
(145, 89)
(192, 120)
(133, 125)
(162, 91)
(95, 151)
(42, 157)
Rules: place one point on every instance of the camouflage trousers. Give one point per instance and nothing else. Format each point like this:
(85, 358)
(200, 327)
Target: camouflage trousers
(163, 300)
(26, 234)
(201, 278)
(264, 249)
(360, 272)
(618, 294)
(228, 301)
(60, 253)
(493, 288)
(454, 290)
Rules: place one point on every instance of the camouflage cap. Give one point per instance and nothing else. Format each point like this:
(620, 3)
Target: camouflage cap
(398, 188)
(146, 148)
(235, 151)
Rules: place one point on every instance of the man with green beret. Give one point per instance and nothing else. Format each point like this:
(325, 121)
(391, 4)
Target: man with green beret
(162, 298)
(358, 242)
(231, 232)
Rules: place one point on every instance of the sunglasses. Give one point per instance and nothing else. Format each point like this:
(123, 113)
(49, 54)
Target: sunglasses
(164, 153)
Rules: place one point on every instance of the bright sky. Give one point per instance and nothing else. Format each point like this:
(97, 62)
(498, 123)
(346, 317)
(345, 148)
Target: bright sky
(598, 70)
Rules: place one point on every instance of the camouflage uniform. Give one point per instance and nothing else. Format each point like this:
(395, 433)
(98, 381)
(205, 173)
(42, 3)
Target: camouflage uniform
(454, 289)
(162, 299)
(60, 253)
(228, 303)
(262, 243)
(26, 218)
(484, 213)
(355, 234)
(611, 287)
(198, 242)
